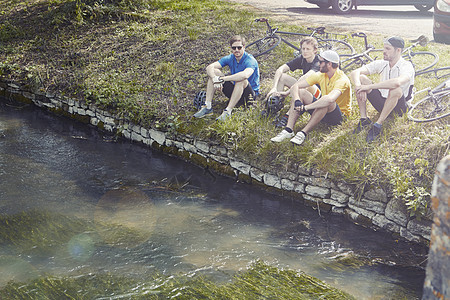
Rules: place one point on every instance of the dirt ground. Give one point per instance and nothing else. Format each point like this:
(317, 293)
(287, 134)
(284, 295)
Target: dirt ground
(405, 21)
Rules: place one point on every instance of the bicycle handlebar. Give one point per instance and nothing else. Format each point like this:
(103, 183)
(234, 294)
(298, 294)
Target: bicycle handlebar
(359, 34)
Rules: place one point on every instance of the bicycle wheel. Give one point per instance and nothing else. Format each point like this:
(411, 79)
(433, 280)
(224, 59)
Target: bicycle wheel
(341, 47)
(421, 60)
(431, 107)
(350, 63)
(262, 46)
(437, 73)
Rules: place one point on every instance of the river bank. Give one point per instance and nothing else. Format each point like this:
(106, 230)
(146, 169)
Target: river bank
(372, 206)
(121, 68)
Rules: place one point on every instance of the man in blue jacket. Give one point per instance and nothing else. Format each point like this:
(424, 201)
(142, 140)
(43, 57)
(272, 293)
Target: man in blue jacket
(242, 83)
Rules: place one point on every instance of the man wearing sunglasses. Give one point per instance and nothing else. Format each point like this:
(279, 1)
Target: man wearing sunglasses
(239, 86)
(390, 94)
(330, 108)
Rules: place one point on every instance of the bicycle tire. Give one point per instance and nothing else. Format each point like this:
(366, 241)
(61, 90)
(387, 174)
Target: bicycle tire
(431, 107)
(349, 62)
(263, 46)
(420, 60)
(437, 73)
(341, 47)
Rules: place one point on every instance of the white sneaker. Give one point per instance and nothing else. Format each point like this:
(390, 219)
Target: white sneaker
(224, 116)
(299, 138)
(282, 136)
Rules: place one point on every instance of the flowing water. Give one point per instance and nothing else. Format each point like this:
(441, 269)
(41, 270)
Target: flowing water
(185, 220)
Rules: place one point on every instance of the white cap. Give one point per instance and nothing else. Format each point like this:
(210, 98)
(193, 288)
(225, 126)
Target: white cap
(330, 56)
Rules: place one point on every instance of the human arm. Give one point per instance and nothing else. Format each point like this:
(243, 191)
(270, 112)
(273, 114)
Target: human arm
(300, 84)
(240, 76)
(324, 101)
(278, 73)
(389, 84)
(355, 78)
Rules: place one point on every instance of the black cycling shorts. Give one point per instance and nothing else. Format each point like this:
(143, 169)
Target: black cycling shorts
(247, 94)
(378, 102)
(332, 118)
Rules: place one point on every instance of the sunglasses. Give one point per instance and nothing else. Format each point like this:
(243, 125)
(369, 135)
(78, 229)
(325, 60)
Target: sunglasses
(236, 47)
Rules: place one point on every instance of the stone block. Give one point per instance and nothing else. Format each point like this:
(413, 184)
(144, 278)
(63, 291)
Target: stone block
(287, 175)
(287, 184)
(240, 166)
(367, 204)
(346, 188)
(272, 180)
(220, 159)
(404, 233)
(335, 203)
(157, 136)
(382, 222)
(376, 194)
(136, 137)
(144, 132)
(299, 188)
(397, 211)
(420, 227)
(202, 146)
(256, 174)
(189, 147)
(218, 150)
(364, 212)
(317, 191)
(339, 197)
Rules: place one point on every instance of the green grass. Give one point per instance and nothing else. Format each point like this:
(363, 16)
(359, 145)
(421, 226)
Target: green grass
(145, 60)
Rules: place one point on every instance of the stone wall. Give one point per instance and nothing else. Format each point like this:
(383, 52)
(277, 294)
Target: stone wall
(437, 281)
(371, 207)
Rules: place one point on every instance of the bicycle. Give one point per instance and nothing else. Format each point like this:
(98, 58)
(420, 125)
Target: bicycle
(272, 39)
(435, 105)
(420, 59)
(436, 73)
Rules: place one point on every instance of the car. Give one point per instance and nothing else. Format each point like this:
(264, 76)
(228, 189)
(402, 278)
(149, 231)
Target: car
(441, 21)
(344, 6)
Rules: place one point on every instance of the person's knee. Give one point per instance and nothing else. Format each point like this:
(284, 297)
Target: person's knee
(396, 93)
(305, 96)
(365, 80)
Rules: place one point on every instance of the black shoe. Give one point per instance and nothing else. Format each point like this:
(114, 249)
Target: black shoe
(362, 124)
(374, 132)
(282, 122)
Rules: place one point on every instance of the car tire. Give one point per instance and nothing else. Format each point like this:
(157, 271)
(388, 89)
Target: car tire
(421, 7)
(439, 38)
(323, 5)
(342, 6)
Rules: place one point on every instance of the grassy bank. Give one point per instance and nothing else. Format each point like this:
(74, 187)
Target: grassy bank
(145, 60)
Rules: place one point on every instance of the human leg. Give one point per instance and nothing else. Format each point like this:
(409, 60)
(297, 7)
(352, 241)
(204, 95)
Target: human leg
(206, 109)
(306, 98)
(331, 115)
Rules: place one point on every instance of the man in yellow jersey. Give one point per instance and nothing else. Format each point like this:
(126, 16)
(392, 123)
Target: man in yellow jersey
(330, 108)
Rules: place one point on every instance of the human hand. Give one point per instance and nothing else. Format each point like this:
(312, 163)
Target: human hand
(299, 106)
(218, 82)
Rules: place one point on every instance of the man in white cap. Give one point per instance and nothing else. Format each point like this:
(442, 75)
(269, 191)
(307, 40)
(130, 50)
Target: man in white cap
(331, 108)
(391, 93)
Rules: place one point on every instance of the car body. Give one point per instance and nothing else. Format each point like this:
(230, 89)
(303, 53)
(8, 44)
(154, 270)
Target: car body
(344, 6)
(441, 21)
